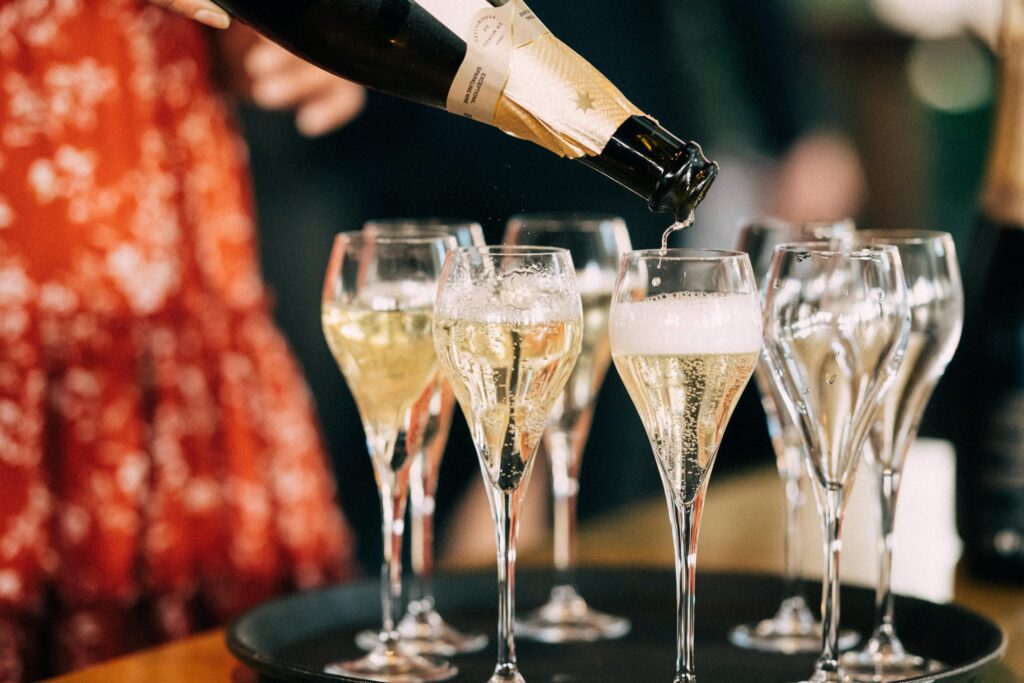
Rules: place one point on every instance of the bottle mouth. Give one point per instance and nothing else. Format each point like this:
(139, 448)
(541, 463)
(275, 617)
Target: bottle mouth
(685, 183)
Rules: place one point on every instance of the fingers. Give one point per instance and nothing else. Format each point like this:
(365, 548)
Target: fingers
(334, 109)
(203, 11)
(289, 87)
(280, 80)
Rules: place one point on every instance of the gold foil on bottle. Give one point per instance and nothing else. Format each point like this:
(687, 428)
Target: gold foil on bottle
(555, 98)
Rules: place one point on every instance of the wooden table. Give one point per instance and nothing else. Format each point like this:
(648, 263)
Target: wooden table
(737, 533)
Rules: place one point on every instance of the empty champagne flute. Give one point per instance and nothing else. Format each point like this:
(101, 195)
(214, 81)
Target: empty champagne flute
(936, 300)
(595, 242)
(793, 628)
(685, 335)
(423, 628)
(377, 311)
(507, 330)
(835, 329)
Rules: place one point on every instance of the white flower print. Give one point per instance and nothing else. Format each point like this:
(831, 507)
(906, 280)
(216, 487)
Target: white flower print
(6, 213)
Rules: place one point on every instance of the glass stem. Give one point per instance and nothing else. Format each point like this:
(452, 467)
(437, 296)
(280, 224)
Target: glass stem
(827, 667)
(888, 488)
(508, 504)
(792, 587)
(685, 528)
(392, 497)
(422, 533)
(565, 489)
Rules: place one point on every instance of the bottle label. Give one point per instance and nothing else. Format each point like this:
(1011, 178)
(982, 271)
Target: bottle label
(517, 76)
(1000, 480)
(491, 33)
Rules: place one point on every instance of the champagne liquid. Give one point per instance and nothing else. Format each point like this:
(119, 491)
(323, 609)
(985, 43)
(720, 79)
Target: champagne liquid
(685, 360)
(928, 351)
(591, 366)
(388, 360)
(685, 402)
(832, 377)
(678, 225)
(507, 377)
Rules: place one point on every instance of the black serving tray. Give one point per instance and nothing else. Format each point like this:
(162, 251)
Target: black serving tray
(291, 639)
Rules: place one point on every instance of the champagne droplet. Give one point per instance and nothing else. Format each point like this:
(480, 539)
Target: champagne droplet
(831, 379)
(655, 282)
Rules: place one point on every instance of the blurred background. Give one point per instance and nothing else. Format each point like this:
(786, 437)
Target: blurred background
(815, 109)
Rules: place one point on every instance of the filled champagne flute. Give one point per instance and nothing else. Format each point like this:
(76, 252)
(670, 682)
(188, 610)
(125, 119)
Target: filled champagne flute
(508, 331)
(596, 243)
(423, 628)
(377, 313)
(835, 330)
(793, 628)
(685, 335)
(936, 300)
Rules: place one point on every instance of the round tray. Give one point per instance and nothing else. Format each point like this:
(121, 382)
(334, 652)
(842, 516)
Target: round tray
(291, 639)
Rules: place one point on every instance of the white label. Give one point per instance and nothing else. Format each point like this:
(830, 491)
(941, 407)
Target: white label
(490, 33)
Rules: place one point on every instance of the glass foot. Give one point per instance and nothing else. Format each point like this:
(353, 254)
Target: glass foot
(793, 630)
(829, 677)
(566, 618)
(425, 632)
(507, 674)
(394, 666)
(874, 665)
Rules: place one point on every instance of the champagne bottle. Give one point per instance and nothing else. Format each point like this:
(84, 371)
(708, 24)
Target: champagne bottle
(990, 448)
(492, 61)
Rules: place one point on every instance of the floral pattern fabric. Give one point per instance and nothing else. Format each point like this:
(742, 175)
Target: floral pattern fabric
(160, 469)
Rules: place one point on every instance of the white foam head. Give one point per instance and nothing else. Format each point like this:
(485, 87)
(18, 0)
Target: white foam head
(522, 298)
(686, 324)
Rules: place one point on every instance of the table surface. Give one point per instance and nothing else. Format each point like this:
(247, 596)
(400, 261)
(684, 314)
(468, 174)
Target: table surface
(636, 536)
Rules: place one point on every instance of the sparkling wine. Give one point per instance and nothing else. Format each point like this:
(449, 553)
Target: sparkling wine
(681, 224)
(388, 359)
(923, 362)
(685, 360)
(836, 372)
(507, 376)
(591, 366)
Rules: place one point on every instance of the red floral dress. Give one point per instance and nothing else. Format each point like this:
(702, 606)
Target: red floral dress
(160, 469)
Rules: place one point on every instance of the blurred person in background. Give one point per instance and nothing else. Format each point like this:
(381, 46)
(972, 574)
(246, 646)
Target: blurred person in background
(731, 74)
(160, 465)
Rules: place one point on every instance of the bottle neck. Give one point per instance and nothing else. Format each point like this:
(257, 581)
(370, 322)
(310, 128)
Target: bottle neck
(672, 175)
(1002, 195)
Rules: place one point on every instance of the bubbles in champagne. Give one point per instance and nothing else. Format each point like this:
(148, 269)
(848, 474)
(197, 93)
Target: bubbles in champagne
(678, 225)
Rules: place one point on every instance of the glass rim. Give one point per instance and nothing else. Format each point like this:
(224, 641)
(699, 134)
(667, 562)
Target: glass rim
(904, 236)
(358, 237)
(826, 248)
(512, 250)
(694, 254)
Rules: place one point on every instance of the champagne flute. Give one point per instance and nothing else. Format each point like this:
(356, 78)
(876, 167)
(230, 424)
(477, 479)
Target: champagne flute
(378, 316)
(685, 335)
(936, 299)
(793, 628)
(507, 330)
(835, 329)
(423, 628)
(595, 242)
